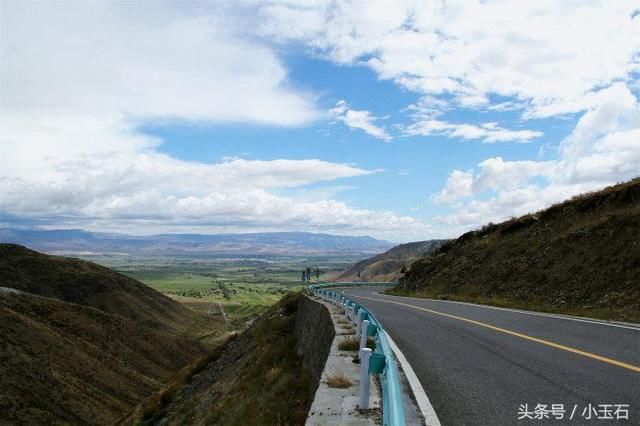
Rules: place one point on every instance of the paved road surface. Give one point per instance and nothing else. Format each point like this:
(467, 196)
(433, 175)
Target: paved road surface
(479, 364)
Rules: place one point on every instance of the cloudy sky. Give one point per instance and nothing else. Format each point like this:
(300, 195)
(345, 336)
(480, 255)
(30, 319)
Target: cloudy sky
(404, 120)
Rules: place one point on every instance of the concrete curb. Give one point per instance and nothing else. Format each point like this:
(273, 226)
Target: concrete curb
(333, 406)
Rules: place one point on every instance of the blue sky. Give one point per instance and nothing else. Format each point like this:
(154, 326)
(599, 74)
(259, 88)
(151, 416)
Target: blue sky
(402, 120)
(411, 167)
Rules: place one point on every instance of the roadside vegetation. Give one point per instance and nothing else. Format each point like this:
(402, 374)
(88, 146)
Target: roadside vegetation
(256, 375)
(353, 344)
(158, 401)
(580, 257)
(339, 380)
(346, 330)
(349, 344)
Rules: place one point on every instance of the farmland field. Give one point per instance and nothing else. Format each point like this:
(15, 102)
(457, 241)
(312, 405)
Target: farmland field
(244, 287)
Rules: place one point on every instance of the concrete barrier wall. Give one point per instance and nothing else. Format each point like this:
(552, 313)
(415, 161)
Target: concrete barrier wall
(314, 334)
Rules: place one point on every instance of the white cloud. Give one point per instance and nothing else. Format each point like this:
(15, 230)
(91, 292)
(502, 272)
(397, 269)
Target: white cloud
(426, 115)
(141, 61)
(603, 149)
(489, 132)
(497, 174)
(79, 79)
(120, 182)
(611, 110)
(146, 192)
(458, 186)
(355, 119)
(548, 55)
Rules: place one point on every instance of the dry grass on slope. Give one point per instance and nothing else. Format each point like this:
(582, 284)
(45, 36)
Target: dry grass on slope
(386, 266)
(82, 344)
(86, 283)
(579, 257)
(67, 363)
(256, 378)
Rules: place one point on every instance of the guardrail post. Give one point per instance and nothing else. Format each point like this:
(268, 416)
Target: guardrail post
(362, 315)
(365, 353)
(364, 335)
(357, 321)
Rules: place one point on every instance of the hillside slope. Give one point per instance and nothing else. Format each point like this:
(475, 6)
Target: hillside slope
(386, 266)
(581, 256)
(82, 344)
(86, 283)
(255, 378)
(63, 362)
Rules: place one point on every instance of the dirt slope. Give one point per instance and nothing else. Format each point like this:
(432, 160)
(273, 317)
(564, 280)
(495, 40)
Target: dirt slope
(581, 256)
(256, 378)
(82, 344)
(63, 362)
(86, 283)
(386, 266)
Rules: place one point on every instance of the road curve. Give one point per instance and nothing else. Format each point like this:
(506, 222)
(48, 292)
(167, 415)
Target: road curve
(480, 364)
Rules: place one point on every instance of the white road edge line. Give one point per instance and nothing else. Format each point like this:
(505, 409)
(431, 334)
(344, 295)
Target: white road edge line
(424, 405)
(519, 311)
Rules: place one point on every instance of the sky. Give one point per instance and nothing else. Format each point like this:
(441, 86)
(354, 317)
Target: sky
(403, 120)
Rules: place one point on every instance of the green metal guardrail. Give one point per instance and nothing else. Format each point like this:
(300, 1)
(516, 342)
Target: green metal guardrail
(382, 361)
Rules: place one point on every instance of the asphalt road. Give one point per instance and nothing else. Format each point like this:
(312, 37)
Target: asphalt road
(479, 364)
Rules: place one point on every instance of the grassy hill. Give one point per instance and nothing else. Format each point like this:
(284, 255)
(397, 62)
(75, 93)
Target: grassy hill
(81, 344)
(579, 257)
(86, 283)
(255, 378)
(386, 267)
(63, 362)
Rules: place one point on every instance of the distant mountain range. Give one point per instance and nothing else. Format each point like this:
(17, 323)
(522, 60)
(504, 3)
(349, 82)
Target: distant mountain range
(75, 241)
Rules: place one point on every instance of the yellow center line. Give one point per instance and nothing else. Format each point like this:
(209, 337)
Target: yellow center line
(514, 333)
